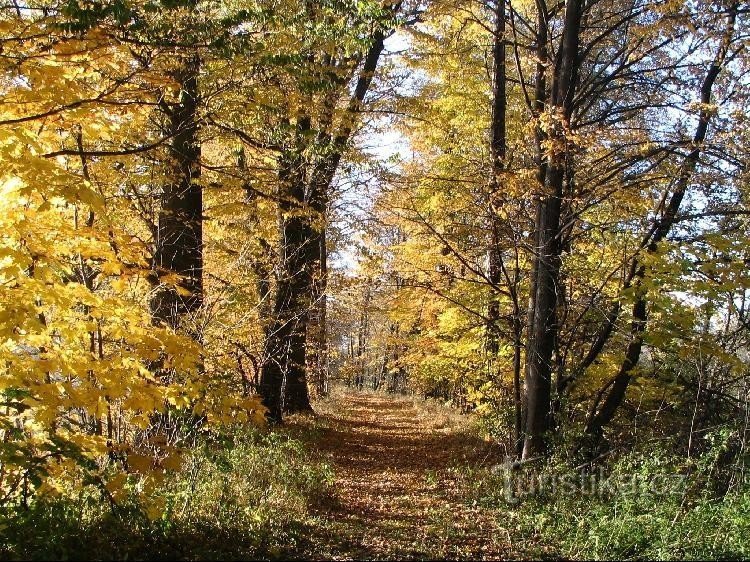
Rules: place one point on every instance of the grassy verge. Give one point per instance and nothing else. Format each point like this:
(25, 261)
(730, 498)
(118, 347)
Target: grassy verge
(244, 495)
(643, 507)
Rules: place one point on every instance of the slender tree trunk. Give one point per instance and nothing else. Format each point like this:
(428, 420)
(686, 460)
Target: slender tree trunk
(540, 95)
(317, 351)
(517, 398)
(545, 284)
(498, 153)
(363, 332)
(179, 243)
(498, 150)
(602, 415)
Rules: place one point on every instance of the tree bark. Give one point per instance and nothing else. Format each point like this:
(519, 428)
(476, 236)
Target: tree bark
(545, 284)
(497, 153)
(179, 242)
(283, 382)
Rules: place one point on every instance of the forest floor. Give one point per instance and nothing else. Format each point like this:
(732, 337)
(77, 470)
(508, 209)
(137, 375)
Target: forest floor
(397, 463)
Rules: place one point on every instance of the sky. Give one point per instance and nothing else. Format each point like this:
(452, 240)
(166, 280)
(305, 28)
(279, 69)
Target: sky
(387, 146)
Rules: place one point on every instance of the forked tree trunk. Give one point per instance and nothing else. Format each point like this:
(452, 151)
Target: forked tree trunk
(543, 327)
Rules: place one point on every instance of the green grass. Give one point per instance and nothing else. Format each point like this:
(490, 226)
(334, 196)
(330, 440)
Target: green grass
(684, 520)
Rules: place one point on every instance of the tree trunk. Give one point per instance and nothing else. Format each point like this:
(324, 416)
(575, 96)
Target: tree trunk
(497, 152)
(517, 399)
(283, 382)
(179, 243)
(545, 284)
(602, 416)
(317, 351)
(302, 282)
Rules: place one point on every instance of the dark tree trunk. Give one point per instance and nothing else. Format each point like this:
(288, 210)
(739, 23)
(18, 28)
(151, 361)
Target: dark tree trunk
(362, 334)
(540, 97)
(601, 416)
(545, 284)
(302, 270)
(497, 152)
(179, 242)
(283, 382)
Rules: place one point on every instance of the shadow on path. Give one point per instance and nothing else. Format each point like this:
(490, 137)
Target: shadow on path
(395, 495)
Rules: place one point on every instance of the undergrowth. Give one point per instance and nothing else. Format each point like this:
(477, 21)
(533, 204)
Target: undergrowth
(244, 495)
(644, 506)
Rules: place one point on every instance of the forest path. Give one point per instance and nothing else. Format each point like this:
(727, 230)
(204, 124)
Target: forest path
(396, 490)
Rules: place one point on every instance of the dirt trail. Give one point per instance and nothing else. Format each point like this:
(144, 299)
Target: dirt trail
(396, 496)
